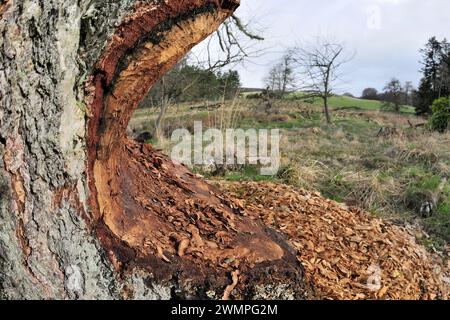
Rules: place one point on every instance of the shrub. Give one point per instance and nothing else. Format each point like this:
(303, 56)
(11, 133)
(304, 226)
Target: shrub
(440, 119)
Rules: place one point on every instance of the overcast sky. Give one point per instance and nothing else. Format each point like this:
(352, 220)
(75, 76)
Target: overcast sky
(385, 34)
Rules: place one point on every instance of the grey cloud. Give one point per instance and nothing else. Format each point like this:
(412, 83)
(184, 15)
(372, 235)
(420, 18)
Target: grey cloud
(391, 50)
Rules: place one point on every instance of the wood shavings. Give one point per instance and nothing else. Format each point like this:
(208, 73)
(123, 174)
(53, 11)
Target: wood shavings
(230, 288)
(182, 246)
(162, 256)
(345, 250)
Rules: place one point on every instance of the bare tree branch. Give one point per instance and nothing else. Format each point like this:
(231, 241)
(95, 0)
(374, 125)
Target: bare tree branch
(233, 43)
(244, 29)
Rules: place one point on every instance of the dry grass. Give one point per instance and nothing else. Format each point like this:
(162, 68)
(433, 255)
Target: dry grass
(346, 162)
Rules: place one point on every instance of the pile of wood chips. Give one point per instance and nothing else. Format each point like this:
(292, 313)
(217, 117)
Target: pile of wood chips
(347, 253)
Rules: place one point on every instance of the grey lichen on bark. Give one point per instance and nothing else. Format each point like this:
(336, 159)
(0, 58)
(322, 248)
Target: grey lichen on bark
(46, 251)
(98, 23)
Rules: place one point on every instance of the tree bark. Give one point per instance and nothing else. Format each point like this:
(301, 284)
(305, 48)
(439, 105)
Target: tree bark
(86, 213)
(326, 110)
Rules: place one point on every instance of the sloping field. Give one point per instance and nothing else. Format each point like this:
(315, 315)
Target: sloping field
(350, 102)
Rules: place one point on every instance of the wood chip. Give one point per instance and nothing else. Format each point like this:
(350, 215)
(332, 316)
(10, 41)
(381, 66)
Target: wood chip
(346, 249)
(182, 246)
(230, 288)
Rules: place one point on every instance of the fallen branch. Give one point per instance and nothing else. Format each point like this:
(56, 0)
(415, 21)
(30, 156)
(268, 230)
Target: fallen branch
(415, 126)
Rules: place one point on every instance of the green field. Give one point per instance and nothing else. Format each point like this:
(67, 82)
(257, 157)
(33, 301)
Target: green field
(350, 103)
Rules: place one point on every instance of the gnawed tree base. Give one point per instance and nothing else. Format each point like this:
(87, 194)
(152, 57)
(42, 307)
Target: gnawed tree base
(161, 218)
(92, 214)
(158, 216)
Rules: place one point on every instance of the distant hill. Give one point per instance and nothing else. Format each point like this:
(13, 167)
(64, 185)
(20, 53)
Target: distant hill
(350, 103)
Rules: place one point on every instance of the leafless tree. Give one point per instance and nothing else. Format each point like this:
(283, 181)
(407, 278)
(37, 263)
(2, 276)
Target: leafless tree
(232, 43)
(408, 89)
(170, 87)
(281, 77)
(444, 76)
(393, 95)
(319, 67)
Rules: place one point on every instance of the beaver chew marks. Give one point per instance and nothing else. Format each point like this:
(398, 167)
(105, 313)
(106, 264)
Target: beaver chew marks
(152, 214)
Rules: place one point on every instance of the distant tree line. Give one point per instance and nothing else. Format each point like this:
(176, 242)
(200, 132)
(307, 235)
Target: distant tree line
(394, 95)
(432, 97)
(435, 82)
(186, 82)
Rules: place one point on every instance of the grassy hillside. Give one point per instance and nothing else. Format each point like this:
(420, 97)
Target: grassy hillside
(350, 103)
(391, 176)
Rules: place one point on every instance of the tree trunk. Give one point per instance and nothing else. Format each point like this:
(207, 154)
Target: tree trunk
(326, 109)
(327, 93)
(86, 213)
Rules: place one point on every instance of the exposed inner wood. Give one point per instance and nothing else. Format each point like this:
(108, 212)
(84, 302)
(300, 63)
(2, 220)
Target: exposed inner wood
(156, 214)
(4, 4)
